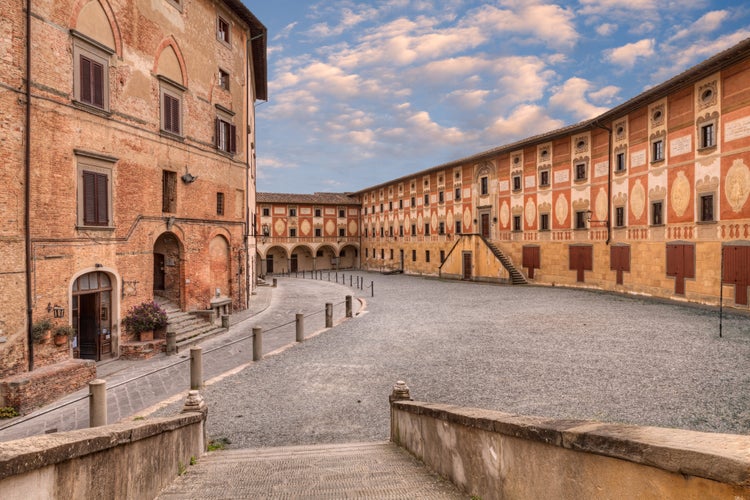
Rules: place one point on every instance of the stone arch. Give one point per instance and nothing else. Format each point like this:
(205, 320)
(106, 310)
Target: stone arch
(168, 267)
(169, 62)
(349, 257)
(219, 263)
(301, 258)
(326, 257)
(95, 312)
(96, 20)
(274, 260)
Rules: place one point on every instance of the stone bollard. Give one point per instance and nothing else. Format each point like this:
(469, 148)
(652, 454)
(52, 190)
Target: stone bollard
(196, 368)
(329, 315)
(225, 321)
(400, 393)
(300, 319)
(171, 340)
(97, 403)
(257, 343)
(195, 403)
(348, 306)
(274, 282)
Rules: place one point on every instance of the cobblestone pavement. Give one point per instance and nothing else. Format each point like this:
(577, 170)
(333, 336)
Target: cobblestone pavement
(269, 308)
(530, 350)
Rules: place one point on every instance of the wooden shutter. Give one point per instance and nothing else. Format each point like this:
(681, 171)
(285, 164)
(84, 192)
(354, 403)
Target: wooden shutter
(217, 132)
(232, 139)
(175, 115)
(97, 84)
(95, 199)
(85, 93)
(102, 198)
(167, 112)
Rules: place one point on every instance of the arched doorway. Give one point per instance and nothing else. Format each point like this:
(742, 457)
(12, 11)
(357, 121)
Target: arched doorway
(349, 257)
(167, 263)
(218, 250)
(325, 258)
(92, 316)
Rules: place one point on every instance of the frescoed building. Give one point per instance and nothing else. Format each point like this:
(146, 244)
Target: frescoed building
(128, 143)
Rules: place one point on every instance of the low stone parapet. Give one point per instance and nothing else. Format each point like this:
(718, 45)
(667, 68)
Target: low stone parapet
(492, 454)
(142, 350)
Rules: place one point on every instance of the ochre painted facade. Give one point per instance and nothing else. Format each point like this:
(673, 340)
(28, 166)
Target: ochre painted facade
(138, 155)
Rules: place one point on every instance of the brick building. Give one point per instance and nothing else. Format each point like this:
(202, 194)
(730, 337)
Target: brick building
(127, 135)
(651, 197)
(307, 232)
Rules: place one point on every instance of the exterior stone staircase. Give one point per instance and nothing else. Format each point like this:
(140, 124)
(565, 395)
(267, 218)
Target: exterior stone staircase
(360, 470)
(516, 277)
(190, 328)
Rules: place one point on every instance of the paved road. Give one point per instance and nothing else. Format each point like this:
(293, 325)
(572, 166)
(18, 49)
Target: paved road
(530, 350)
(270, 308)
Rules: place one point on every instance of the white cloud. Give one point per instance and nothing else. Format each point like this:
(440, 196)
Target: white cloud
(605, 95)
(598, 7)
(525, 121)
(687, 56)
(349, 19)
(285, 32)
(606, 29)
(626, 55)
(572, 97)
(707, 23)
(469, 99)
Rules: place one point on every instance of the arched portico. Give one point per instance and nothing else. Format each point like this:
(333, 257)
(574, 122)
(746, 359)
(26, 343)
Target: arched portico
(275, 260)
(326, 258)
(349, 257)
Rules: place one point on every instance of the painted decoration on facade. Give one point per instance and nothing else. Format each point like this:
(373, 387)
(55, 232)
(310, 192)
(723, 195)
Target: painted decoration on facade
(637, 199)
(601, 169)
(304, 228)
(449, 219)
(680, 194)
(530, 212)
(561, 176)
(420, 223)
(467, 218)
(503, 186)
(279, 228)
(352, 228)
(601, 204)
(529, 181)
(737, 185)
(561, 209)
(434, 221)
(504, 214)
(681, 145)
(737, 129)
(638, 158)
(330, 227)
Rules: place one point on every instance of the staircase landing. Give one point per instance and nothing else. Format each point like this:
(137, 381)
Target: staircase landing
(191, 329)
(366, 470)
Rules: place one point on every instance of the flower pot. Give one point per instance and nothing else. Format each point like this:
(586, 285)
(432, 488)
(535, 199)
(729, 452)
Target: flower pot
(146, 336)
(60, 340)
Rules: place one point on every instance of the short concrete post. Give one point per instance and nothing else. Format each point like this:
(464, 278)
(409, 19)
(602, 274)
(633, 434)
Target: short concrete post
(257, 343)
(171, 340)
(274, 282)
(97, 403)
(195, 403)
(348, 306)
(196, 368)
(400, 393)
(225, 321)
(300, 319)
(329, 315)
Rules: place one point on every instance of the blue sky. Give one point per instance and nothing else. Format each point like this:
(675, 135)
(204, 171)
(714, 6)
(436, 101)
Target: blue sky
(364, 92)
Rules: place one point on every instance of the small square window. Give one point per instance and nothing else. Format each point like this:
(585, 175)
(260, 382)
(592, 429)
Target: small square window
(656, 213)
(580, 172)
(413, 255)
(620, 162)
(222, 30)
(318, 212)
(318, 232)
(219, 203)
(441, 228)
(657, 150)
(544, 178)
(544, 222)
(581, 220)
(516, 183)
(427, 256)
(707, 208)
(458, 227)
(266, 212)
(342, 232)
(223, 79)
(516, 223)
(292, 212)
(620, 216)
(426, 199)
(458, 194)
(707, 136)
(292, 232)
(427, 229)
(342, 213)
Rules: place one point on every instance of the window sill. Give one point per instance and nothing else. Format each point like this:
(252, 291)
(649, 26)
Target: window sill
(707, 149)
(95, 228)
(95, 110)
(654, 162)
(621, 172)
(171, 135)
(656, 225)
(544, 186)
(706, 222)
(580, 181)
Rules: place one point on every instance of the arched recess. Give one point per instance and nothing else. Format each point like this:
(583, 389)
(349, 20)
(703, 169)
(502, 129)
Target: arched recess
(274, 261)
(169, 62)
(168, 267)
(219, 267)
(301, 258)
(326, 257)
(97, 21)
(94, 313)
(349, 257)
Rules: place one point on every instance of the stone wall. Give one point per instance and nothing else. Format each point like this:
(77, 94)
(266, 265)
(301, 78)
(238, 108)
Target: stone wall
(127, 460)
(492, 455)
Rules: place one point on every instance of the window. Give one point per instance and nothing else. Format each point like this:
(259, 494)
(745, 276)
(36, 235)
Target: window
(581, 220)
(427, 256)
(382, 253)
(516, 223)
(442, 256)
(656, 213)
(318, 232)
(219, 203)
(318, 212)
(292, 232)
(400, 204)
(580, 172)
(484, 186)
(342, 213)
(292, 211)
(458, 227)
(544, 222)
(707, 136)
(381, 208)
(367, 252)
(426, 199)
(441, 197)
(91, 73)
(413, 255)
(657, 150)
(458, 194)
(413, 229)
(620, 216)
(391, 254)
(168, 191)
(427, 229)
(94, 191)
(226, 136)
(620, 162)
(413, 202)
(390, 205)
(441, 228)
(222, 30)
(382, 232)
(544, 178)
(342, 232)
(390, 231)
(516, 183)
(223, 79)
(266, 212)
(400, 230)
(170, 112)
(707, 208)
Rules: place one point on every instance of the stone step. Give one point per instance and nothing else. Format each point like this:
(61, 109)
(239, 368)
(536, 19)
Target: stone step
(359, 470)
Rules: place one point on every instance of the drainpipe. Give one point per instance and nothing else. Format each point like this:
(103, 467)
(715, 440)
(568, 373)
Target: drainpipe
(249, 273)
(609, 182)
(27, 187)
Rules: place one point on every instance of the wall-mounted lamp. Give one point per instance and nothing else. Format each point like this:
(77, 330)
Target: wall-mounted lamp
(98, 265)
(188, 178)
(588, 215)
(59, 311)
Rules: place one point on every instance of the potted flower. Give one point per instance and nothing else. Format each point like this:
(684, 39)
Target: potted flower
(40, 331)
(62, 333)
(144, 318)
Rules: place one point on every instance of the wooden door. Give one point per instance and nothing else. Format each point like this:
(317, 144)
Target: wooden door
(467, 265)
(269, 264)
(485, 226)
(88, 326)
(293, 264)
(159, 271)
